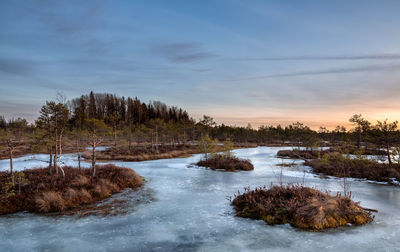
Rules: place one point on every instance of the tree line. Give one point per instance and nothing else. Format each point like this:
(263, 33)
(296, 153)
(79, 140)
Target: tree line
(91, 119)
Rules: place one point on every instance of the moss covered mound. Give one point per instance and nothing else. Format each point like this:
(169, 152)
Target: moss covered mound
(301, 207)
(221, 162)
(40, 192)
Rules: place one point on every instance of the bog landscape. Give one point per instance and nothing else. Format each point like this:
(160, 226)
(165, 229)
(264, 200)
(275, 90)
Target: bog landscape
(284, 137)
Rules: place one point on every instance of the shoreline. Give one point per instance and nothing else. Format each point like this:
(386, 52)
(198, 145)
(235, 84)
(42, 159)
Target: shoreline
(27, 150)
(71, 150)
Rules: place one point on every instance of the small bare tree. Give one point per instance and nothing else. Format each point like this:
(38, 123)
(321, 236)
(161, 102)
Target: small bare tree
(97, 131)
(386, 131)
(53, 117)
(362, 126)
(78, 134)
(207, 146)
(10, 143)
(11, 138)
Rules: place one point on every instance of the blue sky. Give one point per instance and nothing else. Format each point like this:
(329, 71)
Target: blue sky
(263, 62)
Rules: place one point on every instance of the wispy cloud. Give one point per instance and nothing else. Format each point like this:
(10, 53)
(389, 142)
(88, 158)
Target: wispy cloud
(16, 66)
(388, 56)
(372, 68)
(183, 52)
(86, 16)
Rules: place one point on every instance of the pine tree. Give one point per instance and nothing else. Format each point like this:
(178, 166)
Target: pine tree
(92, 106)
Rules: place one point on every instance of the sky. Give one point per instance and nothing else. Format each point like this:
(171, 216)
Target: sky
(258, 62)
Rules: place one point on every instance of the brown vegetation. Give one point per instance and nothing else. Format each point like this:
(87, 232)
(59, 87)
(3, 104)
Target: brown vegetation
(354, 150)
(301, 207)
(147, 152)
(142, 153)
(313, 154)
(44, 193)
(18, 151)
(227, 163)
(301, 154)
(25, 148)
(340, 166)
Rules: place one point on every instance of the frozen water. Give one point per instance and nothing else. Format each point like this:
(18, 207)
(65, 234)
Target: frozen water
(191, 212)
(98, 148)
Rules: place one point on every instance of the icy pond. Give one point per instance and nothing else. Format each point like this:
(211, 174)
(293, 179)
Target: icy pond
(189, 211)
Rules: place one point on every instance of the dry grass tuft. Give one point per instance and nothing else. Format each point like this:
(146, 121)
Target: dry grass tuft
(50, 202)
(71, 194)
(101, 191)
(85, 196)
(80, 181)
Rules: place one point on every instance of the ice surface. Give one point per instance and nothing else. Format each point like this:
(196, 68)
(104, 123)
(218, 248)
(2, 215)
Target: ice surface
(98, 148)
(190, 212)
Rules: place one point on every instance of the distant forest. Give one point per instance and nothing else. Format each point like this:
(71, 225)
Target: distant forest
(131, 120)
(115, 110)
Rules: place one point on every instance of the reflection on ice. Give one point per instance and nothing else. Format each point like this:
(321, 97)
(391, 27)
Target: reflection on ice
(190, 211)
